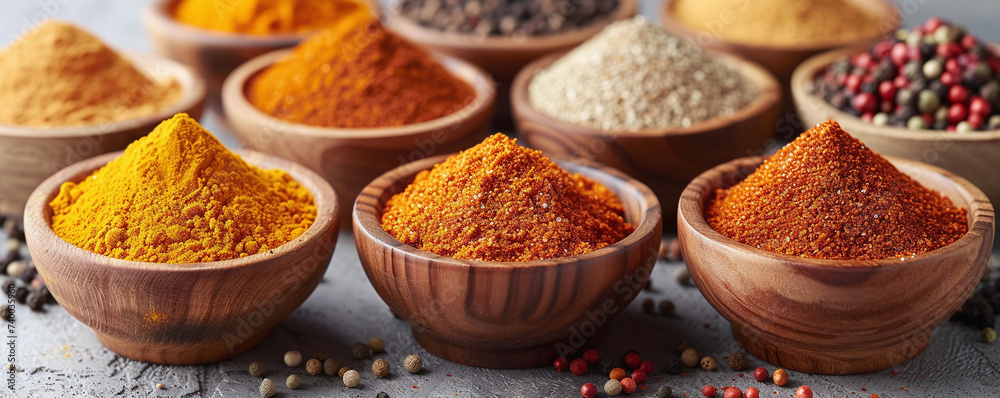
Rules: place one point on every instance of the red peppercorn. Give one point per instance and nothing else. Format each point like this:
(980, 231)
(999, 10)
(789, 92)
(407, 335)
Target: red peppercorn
(900, 81)
(867, 117)
(578, 367)
(853, 83)
(865, 103)
(948, 78)
(957, 113)
(881, 49)
(976, 120)
(561, 364)
(708, 391)
(952, 65)
(591, 356)
(760, 374)
(913, 53)
(969, 41)
(733, 392)
(804, 392)
(979, 106)
(957, 94)
(863, 60)
(639, 376)
(932, 24)
(752, 392)
(588, 390)
(647, 367)
(628, 385)
(951, 128)
(887, 90)
(898, 54)
(617, 374)
(928, 118)
(632, 360)
(949, 50)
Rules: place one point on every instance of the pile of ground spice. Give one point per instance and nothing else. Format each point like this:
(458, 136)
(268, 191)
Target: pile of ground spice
(827, 195)
(358, 74)
(265, 17)
(59, 75)
(179, 196)
(778, 22)
(498, 201)
(634, 75)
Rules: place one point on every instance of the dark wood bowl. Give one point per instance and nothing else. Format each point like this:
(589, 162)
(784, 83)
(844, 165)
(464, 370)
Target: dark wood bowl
(972, 156)
(351, 158)
(664, 159)
(182, 314)
(834, 316)
(507, 314)
(29, 155)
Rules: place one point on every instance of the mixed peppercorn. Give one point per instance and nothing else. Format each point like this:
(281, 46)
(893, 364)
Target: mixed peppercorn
(982, 307)
(934, 76)
(29, 287)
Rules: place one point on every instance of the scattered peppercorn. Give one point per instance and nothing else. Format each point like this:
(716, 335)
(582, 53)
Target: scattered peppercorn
(578, 367)
(589, 390)
(647, 305)
(591, 356)
(664, 392)
(628, 385)
(382, 394)
(330, 367)
(682, 276)
(292, 382)
(412, 363)
(607, 364)
(709, 391)
(690, 358)
(28, 273)
(16, 268)
(352, 378)
(751, 392)
(673, 367)
(342, 371)
(320, 355)
(561, 364)
(256, 369)
(268, 388)
(613, 387)
(733, 392)
(617, 374)
(380, 368)
(708, 363)
(647, 367)
(804, 392)
(376, 344)
(760, 374)
(667, 308)
(21, 294)
(293, 358)
(681, 346)
(639, 376)
(780, 377)
(632, 360)
(36, 300)
(738, 361)
(361, 351)
(989, 335)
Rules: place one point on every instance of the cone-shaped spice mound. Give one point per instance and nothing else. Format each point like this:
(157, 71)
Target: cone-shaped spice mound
(498, 201)
(827, 195)
(179, 196)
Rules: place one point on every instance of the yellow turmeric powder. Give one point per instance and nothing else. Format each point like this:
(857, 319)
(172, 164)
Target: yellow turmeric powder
(179, 196)
(264, 17)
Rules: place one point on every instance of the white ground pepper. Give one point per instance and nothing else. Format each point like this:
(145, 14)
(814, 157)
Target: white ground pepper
(352, 378)
(634, 75)
(256, 369)
(330, 367)
(376, 344)
(413, 363)
(380, 368)
(292, 382)
(314, 366)
(708, 363)
(690, 357)
(293, 358)
(268, 388)
(613, 387)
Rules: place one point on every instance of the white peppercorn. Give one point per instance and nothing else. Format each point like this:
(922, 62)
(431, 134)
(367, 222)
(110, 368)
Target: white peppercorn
(313, 367)
(292, 382)
(708, 363)
(413, 363)
(268, 388)
(330, 367)
(256, 369)
(293, 358)
(352, 378)
(380, 368)
(690, 357)
(613, 387)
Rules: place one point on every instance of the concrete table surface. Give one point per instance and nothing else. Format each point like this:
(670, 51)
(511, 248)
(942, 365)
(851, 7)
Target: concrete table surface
(58, 356)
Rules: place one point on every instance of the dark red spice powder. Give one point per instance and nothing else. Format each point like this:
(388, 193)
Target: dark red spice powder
(827, 195)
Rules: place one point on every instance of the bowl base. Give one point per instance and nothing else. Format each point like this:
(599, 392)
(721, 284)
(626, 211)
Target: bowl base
(181, 354)
(857, 359)
(496, 358)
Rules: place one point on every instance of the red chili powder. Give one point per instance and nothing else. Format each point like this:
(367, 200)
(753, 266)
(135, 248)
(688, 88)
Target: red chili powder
(827, 195)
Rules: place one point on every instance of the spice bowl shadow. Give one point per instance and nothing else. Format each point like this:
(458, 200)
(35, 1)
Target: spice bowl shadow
(182, 314)
(29, 155)
(781, 60)
(834, 316)
(508, 314)
(665, 159)
(970, 155)
(350, 158)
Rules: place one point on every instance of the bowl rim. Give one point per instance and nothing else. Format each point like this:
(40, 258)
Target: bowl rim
(884, 10)
(235, 100)
(327, 211)
(979, 210)
(192, 88)
(802, 82)
(158, 15)
(364, 216)
(768, 96)
(437, 38)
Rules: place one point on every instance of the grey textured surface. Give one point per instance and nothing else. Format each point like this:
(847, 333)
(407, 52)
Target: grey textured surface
(58, 356)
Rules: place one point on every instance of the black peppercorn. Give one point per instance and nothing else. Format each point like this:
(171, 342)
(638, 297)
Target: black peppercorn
(841, 66)
(664, 392)
(21, 294)
(673, 367)
(36, 300)
(838, 100)
(607, 364)
(647, 305)
(382, 394)
(869, 87)
(29, 273)
(927, 51)
(7, 282)
(913, 70)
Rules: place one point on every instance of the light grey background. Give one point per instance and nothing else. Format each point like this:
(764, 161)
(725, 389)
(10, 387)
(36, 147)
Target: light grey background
(57, 355)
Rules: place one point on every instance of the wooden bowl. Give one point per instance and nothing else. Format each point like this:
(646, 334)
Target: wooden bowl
(350, 158)
(973, 156)
(507, 314)
(665, 159)
(28, 155)
(782, 60)
(833, 316)
(182, 314)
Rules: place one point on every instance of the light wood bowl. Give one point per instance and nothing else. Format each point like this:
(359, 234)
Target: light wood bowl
(28, 155)
(351, 158)
(782, 60)
(665, 159)
(507, 314)
(833, 316)
(207, 311)
(973, 155)
(504, 56)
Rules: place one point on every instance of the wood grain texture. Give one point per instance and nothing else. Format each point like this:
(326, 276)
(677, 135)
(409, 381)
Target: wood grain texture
(834, 316)
(182, 314)
(513, 314)
(667, 159)
(28, 155)
(973, 156)
(351, 158)
(781, 60)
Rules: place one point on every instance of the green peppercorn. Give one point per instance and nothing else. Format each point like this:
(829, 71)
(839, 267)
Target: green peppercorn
(989, 335)
(916, 123)
(964, 127)
(932, 69)
(994, 123)
(927, 101)
(880, 119)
